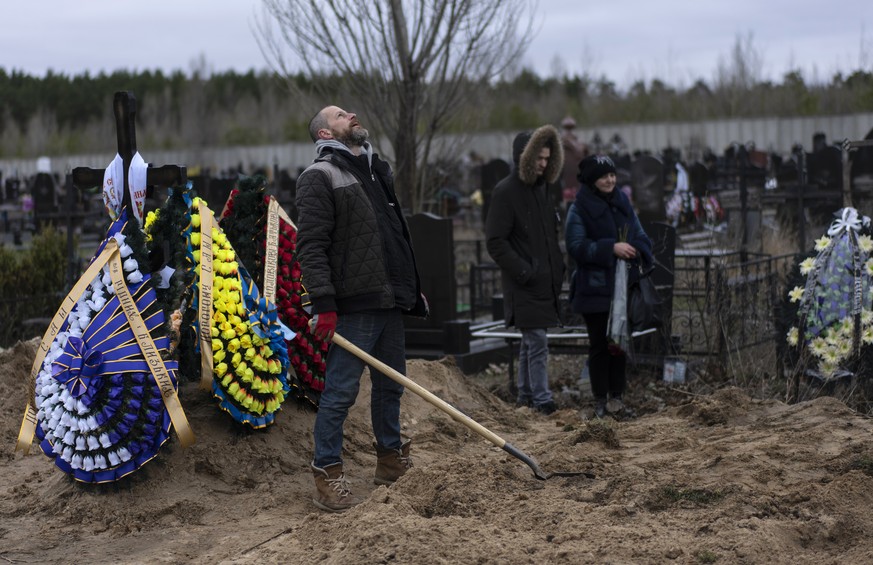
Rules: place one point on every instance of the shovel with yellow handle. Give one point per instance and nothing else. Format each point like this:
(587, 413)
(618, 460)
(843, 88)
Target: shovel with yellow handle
(455, 414)
(436, 401)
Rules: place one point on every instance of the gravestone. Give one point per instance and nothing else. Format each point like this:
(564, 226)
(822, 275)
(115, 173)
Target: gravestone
(216, 191)
(45, 201)
(493, 172)
(433, 240)
(623, 163)
(286, 193)
(200, 187)
(663, 238)
(13, 187)
(698, 179)
(286, 186)
(862, 161)
(825, 168)
(219, 189)
(789, 171)
(647, 176)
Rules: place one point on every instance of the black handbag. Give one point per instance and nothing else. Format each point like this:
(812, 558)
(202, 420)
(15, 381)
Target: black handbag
(643, 303)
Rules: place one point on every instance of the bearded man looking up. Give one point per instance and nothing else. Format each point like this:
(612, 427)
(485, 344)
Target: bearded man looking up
(359, 268)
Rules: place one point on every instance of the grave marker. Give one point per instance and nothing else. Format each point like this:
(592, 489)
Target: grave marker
(647, 177)
(847, 148)
(124, 107)
(45, 199)
(825, 168)
(493, 172)
(862, 160)
(698, 179)
(433, 239)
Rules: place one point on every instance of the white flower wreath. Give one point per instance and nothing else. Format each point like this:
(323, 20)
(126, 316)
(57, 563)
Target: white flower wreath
(837, 292)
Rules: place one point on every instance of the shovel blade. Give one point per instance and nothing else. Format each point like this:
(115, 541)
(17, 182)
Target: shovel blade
(539, 473)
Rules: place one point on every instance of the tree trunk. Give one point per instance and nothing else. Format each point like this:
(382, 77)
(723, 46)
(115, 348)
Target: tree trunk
(405, 151)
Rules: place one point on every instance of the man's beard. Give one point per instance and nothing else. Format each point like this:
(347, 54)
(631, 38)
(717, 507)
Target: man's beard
(355, 137)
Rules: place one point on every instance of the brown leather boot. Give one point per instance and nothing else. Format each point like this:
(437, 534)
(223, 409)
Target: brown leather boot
(333, 488)
(391, 464)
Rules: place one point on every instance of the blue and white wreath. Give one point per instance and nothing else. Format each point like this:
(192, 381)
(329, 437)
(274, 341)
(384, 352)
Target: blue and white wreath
(100, 414)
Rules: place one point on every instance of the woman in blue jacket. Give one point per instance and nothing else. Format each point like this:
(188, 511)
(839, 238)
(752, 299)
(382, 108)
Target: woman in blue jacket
(602, 227)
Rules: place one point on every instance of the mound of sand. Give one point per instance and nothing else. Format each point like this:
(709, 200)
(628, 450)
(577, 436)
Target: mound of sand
(719, 478)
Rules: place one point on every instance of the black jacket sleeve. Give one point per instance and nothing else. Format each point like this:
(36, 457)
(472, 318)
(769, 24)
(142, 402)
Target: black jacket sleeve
(315, 226)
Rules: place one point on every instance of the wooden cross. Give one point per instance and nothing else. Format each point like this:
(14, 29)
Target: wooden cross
(846, 148)
(124, 106)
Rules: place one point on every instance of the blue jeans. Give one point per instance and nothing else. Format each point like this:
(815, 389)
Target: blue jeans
(379, 333)
(533, 374)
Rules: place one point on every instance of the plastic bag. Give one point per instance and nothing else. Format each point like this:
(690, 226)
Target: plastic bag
(618, 330)
(644, 304)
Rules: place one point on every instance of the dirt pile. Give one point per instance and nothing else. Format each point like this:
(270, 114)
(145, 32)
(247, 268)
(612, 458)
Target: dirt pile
(717, 478)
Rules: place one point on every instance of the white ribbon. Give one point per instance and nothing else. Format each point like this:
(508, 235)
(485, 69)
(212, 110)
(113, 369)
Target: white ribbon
(113, 179)
(847, 220)
(137, 175)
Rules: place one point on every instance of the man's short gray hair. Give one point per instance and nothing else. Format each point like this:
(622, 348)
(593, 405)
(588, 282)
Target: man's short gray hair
(318, 121)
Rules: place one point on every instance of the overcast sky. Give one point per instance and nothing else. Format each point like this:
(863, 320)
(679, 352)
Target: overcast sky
(625, 40)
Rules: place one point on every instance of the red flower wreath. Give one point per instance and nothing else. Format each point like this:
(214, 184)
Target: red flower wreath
(307, 353)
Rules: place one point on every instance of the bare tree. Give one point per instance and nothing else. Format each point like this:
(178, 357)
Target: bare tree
(413, 66)
(737, 76)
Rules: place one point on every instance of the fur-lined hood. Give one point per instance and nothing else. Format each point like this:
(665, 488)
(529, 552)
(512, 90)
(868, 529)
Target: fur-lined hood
(533, 143)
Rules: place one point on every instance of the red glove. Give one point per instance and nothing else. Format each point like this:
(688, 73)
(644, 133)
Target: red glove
(324, 325)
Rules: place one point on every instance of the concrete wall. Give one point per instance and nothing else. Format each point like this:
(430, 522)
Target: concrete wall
(776, 134)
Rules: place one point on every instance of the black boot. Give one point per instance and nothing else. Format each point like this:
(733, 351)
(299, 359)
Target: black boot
(546, 408)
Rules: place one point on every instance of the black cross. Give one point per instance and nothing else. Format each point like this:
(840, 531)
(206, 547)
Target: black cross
(124, 105)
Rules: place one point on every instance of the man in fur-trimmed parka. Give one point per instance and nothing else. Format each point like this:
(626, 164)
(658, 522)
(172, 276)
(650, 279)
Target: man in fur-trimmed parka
(522, 237)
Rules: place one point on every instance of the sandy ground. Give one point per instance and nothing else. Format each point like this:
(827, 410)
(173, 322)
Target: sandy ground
(704, 479)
